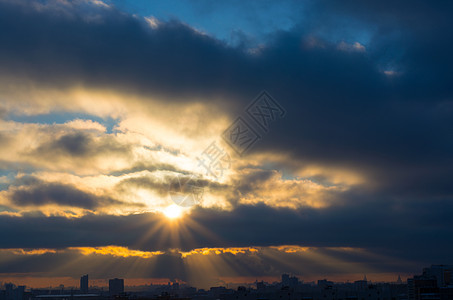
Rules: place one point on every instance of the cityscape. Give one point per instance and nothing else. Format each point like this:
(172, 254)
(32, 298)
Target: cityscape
(435, 283)
(226, 149)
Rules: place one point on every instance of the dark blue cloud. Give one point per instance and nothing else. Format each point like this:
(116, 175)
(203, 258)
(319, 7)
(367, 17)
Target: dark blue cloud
(417, 232)
(34, 192)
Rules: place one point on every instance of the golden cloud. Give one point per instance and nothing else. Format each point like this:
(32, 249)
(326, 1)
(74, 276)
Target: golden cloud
(18, 251)
(116, 251)
(217, 251)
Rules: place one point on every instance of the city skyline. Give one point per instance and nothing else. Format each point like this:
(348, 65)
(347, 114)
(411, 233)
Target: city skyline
(74, 283)
(434, 283)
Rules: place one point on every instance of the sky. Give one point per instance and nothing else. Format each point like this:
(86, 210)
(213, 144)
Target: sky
(121, 154)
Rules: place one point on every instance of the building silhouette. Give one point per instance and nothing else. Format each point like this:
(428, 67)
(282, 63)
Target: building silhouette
(84, 284)
(116, 286)
(289, 281)
(435, 283)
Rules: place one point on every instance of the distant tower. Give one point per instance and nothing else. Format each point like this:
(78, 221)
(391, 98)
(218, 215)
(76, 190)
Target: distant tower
(399, 281)
(84, 284)
(364, 278)
(285, 279)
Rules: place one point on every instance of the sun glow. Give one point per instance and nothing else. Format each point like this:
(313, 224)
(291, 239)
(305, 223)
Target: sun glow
(173, 211)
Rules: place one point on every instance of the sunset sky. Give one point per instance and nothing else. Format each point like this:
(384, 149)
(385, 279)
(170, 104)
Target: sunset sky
(105, 105)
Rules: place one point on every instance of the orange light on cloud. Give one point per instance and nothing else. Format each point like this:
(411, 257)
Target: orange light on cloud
(18, 251)
(217, 251)
(116, 251)
(290, 248)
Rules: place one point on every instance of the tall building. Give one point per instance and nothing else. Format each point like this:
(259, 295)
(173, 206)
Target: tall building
(289, 281)
(84, 284)
(443, 274)
(423, 287)
(116, 286)
(285, 279)
(434, 284)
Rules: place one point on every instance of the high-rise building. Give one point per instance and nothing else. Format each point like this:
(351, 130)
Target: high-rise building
(423, 287)
(84, 284)
(285, 279)
(116, 286)
(443, 274)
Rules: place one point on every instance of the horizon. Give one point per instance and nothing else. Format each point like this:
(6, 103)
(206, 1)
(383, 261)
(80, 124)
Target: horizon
(141, 282)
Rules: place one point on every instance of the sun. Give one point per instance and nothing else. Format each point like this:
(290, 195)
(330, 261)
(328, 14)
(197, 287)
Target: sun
(173, 211)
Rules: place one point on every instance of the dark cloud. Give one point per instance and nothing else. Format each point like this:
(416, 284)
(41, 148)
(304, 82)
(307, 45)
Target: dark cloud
(168, 183)
(248, 183)
(81, 145)
(34, 192)
(75, 144)
(117, 50)
(415, 232)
